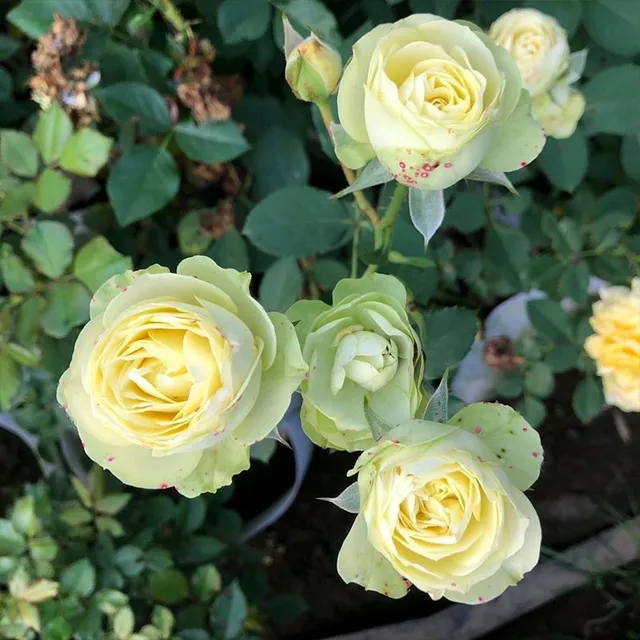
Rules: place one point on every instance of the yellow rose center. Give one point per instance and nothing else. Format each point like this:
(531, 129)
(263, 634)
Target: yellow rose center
(156, 371)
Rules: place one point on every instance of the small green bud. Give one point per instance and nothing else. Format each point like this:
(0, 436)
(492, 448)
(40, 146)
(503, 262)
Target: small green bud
(313, 68)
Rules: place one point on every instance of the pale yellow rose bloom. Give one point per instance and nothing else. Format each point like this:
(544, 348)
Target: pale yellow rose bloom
(558, 120)
(433, 100)
(177, 374)
(615, 345)
(441, 506)
(537, 43)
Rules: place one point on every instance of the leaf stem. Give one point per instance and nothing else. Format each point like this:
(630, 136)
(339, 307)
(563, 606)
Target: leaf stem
(363, 204)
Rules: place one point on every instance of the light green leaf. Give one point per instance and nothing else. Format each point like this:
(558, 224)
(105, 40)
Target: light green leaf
(10, 380)
(141, 182)
(206, 581)
(492, 177)
(212, 142)
(229, 612)
(19, 153)
(168, 586)
(538, 380)
(612, 101)
(50, 245)
(17, 200)
(565, 162)
(123, 623)
(28, 320)
(298, 222)
(426, 209)
(191, 238)
(11, 542)
(438, 407)
(113, 503)
(243, 21)
(67, 307)
(352, 154)
(79, 578)
(97, 261)
(86, 152)
(133, 101)
(52, 190)
(348, 500)
(53, 130)
(16, 275)
(281, 285)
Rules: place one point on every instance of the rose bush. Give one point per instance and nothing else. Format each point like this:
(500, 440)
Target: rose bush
(433, 100)
(175, 375)
(362, 353)
(615, 345)
(441, 507)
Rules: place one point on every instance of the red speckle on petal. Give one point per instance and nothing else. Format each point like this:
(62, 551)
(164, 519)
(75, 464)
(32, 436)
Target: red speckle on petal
(454, 584)
(395, 441)
(525, 429)
(480, 458)
(65, 406)
(406, 582)
(448, 165)
(84, 444)
(395, 175)
(480, 599)
(111, 458)
(164, 485)
(477, 430)
(427, 167)
(125, 289)
(535, 454)
(523, 164)
(403, 165)
(424, 174)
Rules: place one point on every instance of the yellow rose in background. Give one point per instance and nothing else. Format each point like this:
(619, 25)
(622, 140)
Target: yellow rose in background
(433, 100)
(176, 375)
(441, 507)
(615, 346)
(558, 120)
(537, 43)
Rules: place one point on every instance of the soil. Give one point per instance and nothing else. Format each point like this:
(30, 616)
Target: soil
(17, 468)
(590, 481)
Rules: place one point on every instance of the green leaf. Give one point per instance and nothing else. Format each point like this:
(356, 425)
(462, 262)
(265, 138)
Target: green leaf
(538, 380)
(327, 273)
(612, 101)
(243, 21)
(199, 549)
(86, 152)
(19, 153)
(449, 335)
(279, 159)
(75, 515)
(508, 250)
(550, 319)
(141, 182)
(287, 607)
(79, 578)
(168, 586)
(574, 282)
(163, 620)
(6, 86)
(466, 212)
(130, 560)
(567, 12)
(28, 320)
(509, 385)
(10, 380)
(438, 407)
(588, 399)
(630, 156)
(212, 142)
(492, 177)
(50, 245)
(565, 234)
(281, 285)
(16, 275)
(52, 190)
(563, 357)
(53, 130)
(565, 162)
(132, 101)
(67, 307)
(229, 612)
(372, 174)
(112, 504)
(191, 239)
(8, 46)
(614, 25)
(22, 355)
(298, 222)
(191, 514)
(426, 209)
(17, 200)
(11, 542)
(207, 579)
(230, 251)
(263, 450)
(97, 261)
(532, 410)
(123, 623)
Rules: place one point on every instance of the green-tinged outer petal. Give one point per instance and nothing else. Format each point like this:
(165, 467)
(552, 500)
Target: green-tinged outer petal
(351, 89)
(216, 468)
(359, 562)
(514, 567)
(303, 314)
(236, 285)
(508, 435)
(277, 385)
(350, 152)
(372, 283)
(517, 142)
(137, 466)
(115, 285)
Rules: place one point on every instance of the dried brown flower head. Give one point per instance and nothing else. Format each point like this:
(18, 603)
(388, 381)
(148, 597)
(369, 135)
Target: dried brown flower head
(500, 353)
(215, 223)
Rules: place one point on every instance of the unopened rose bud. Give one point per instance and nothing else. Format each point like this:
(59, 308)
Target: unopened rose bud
(313, 68)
